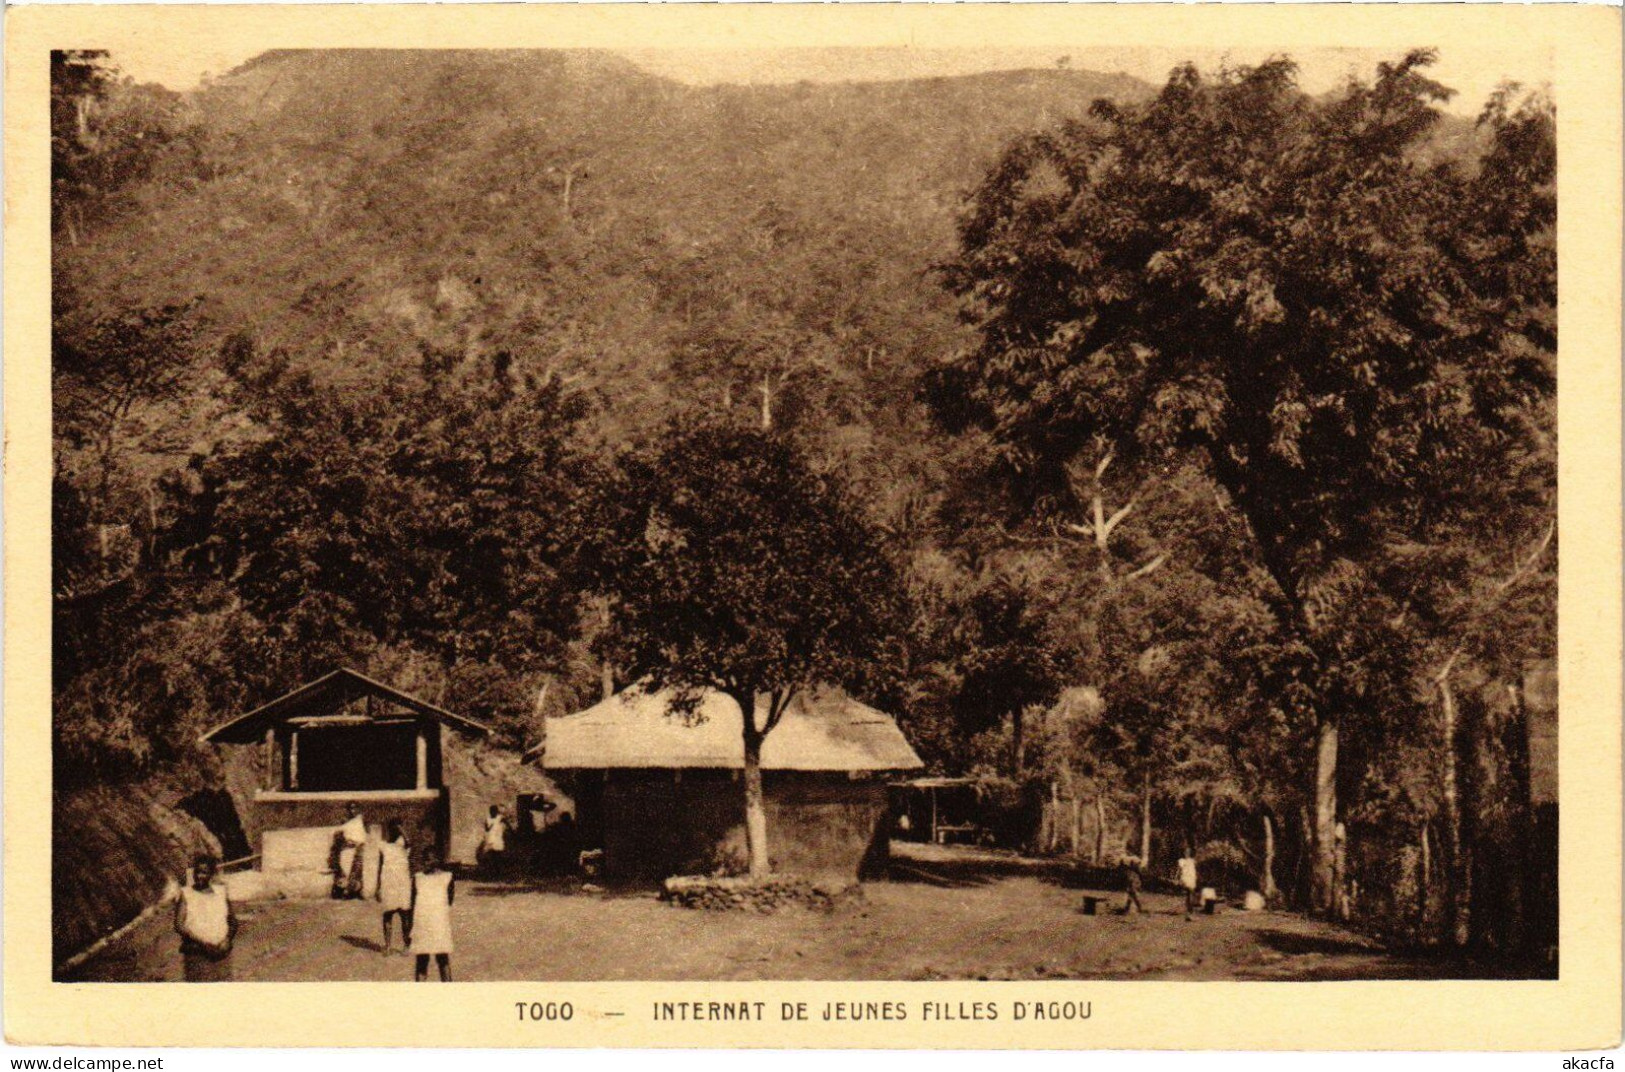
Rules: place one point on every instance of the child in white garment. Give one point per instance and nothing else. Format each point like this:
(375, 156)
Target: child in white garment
(433, 890)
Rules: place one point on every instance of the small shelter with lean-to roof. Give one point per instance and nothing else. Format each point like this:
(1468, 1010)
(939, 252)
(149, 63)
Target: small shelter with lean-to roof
(938, 810)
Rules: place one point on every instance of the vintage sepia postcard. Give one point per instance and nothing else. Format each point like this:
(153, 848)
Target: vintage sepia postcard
(880, 526)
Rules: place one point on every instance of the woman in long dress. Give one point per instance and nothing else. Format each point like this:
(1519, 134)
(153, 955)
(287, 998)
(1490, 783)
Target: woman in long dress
(433, 890)
(395, 884)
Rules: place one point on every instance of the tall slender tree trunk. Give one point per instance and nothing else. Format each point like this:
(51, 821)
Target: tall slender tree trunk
(1052, 835)
(1301, 879)
(1515, 737)
(1322, 874)
(767, 401)
(755, 803)
(1340, 875)
(1145, 820)
(1459, 896)
(607, 680)
(1424, 881)
(1100, 828)
(1266, 881)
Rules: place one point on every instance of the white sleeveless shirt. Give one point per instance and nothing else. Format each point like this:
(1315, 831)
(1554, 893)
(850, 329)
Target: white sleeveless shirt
(205, 918)
(431, 913)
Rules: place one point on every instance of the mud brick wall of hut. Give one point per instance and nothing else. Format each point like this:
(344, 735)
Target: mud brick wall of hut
(658, 823)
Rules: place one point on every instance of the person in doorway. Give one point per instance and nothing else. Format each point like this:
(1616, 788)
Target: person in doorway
(1187, 880)
(1132, 881)
(433, 890)
(563, 850)
(348, 861)
(206, 923)
(395, 885)
(495, 842)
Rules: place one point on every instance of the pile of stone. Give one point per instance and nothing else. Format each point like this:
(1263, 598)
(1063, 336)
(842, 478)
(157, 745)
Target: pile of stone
(720, 893)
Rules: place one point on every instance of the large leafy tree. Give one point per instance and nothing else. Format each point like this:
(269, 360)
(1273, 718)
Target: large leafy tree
(735, 567)
(439, 514)
(1285, 288)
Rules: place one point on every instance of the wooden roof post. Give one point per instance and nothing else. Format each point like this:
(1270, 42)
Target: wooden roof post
(423, 756)
(271, 773)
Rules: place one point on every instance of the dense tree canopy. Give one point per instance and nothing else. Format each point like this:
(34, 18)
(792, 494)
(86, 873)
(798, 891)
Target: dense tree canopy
(439, 519)
(1283, 286)
(1227, 509)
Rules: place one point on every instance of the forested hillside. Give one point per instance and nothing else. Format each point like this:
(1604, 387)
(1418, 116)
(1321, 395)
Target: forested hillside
(664, 243)
(1189, 424)
(352, 219)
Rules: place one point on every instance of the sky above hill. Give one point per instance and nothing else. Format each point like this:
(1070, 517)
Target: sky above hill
(1320, 70)
(1472, 74)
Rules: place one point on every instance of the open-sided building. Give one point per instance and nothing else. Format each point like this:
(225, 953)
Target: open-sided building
(346, 738)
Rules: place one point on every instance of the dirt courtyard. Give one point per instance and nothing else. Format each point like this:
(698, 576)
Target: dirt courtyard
(945, 913)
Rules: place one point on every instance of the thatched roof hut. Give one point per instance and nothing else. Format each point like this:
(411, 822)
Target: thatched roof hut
(658, 792)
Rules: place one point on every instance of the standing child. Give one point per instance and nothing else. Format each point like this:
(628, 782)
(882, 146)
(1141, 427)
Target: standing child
(395, 884)
(1131, 883)
(1187, 879)
(206, 924)
(495, 842)
(433, 890)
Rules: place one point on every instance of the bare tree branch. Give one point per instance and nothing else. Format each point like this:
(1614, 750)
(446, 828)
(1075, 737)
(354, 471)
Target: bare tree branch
(1147, 569)
(1519, 573)
(1117, 518)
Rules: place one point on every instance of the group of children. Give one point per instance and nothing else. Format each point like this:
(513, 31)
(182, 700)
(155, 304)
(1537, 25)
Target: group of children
(420, 900)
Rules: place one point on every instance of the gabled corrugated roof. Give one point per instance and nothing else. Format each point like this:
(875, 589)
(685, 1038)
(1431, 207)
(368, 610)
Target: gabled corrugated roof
(823, 730)
(328, 693)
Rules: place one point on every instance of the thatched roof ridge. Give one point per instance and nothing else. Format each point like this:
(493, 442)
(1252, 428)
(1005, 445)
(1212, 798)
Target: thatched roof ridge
(822, 730)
